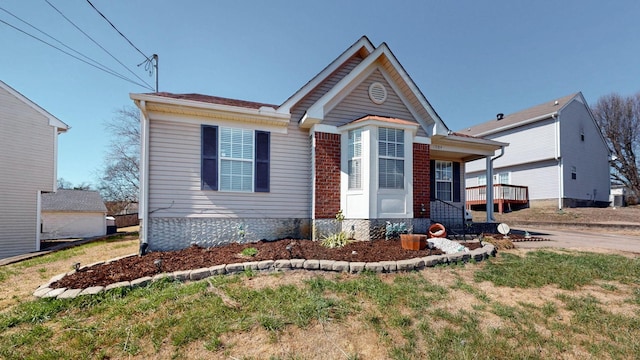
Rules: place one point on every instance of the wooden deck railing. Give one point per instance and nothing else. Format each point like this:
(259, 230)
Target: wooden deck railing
(503, 194)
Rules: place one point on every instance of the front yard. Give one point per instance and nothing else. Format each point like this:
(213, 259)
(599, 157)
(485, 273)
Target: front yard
(538, 305)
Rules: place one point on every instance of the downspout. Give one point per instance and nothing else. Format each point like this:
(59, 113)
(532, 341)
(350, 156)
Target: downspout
(490, 161)
(557, 157)
(143, 214)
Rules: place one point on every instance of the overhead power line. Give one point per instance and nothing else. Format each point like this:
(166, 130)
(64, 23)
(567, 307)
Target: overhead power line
(76, 57)
(150, 62)
(98, 64)
(95, 42)
(116, 29)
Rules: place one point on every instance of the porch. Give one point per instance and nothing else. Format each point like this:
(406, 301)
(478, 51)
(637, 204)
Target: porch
(503, 195)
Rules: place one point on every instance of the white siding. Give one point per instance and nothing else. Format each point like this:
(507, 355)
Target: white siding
(540, 177)
(59, 225)
(27, 145)
(174, 170)
(590, 157)
(527, 144)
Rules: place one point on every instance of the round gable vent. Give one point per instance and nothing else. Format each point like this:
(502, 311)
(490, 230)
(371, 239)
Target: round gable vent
(377, 93)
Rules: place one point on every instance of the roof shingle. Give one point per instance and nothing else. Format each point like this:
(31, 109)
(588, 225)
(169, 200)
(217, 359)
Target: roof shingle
(512, 120)
(73, 200)
(215, 100)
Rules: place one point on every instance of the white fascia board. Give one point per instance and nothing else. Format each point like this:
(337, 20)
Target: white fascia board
(362, 43)
(325, 129)
(475, 140)
(307, 121)
(217, 120)
(422, 140)
(521, 123)
(263, 114)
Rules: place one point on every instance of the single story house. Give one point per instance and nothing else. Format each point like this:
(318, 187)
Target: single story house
(556, 152)
(359, 137)
(73, 214)
(28, 168)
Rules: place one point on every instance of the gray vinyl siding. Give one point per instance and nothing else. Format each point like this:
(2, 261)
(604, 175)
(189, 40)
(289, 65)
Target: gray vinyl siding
(590, 157)
(174, 171)
(299, 109)
(357, 104)
(27, 145)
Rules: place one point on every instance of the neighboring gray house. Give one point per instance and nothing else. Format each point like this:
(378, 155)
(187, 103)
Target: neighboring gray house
(359, 137)
(73, 214)
(555, 149)
(28, 167)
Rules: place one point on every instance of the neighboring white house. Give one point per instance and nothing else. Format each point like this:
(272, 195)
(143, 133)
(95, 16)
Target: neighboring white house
(28, 163)
(73, 214)
(359, 137)
(555, 149)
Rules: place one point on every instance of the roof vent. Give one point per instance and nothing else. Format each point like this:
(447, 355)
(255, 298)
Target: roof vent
(500, 116)
(377, 93)
(556, 103)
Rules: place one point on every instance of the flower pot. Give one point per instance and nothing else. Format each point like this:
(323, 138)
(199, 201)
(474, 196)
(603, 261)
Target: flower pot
(413, 241)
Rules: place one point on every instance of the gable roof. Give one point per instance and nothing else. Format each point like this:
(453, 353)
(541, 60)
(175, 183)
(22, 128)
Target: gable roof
(379, 58)
(53, 121)
(73, 201)
(536, 113)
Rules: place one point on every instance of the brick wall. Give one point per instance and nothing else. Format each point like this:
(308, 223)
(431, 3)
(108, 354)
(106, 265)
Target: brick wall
(421, 181)
(327, 169)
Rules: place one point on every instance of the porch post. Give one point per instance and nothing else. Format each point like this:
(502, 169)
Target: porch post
(489, 190)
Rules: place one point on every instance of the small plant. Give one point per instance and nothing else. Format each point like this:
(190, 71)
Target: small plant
(393, 230)
(339, 238)
(250, 251)
(335, 240)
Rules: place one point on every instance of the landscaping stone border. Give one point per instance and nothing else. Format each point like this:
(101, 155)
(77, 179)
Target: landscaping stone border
(480, 254)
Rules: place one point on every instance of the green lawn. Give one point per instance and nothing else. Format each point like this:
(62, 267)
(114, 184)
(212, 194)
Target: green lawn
(451, 312)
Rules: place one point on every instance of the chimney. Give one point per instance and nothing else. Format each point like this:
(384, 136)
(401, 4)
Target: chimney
(499, 116)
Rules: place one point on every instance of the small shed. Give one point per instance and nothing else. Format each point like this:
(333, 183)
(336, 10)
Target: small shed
(72, 214)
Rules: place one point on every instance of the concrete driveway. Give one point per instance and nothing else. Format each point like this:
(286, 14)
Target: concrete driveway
(582, 240)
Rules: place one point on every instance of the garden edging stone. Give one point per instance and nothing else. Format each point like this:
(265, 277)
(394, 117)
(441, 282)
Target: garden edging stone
(486, 251)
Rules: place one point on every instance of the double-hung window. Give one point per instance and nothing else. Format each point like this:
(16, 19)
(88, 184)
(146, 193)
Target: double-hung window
(355, 159)
(390, 158)
(235, 159)
(444, 180)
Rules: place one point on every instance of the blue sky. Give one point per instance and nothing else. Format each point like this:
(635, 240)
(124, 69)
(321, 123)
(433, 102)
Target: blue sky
(471, 59)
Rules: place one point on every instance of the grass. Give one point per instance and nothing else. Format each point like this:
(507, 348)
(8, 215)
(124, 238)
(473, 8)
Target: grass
(402, 316)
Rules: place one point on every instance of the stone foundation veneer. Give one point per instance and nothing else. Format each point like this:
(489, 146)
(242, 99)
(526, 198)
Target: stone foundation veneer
(178, 233)
(365, 229)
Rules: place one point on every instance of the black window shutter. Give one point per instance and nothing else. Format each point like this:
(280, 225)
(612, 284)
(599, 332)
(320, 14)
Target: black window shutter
(262, 162)
(456, 182)
(209, 162)
(432, 179)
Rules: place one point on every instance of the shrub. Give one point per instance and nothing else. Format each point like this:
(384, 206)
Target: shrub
(335, 240)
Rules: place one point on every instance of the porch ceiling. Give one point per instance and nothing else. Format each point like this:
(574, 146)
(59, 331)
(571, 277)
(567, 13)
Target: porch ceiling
(464, 148)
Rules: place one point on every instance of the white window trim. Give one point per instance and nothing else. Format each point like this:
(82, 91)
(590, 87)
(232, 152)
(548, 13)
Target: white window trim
(403, 158)
(450, 181)
(222, 158)
(351, 146)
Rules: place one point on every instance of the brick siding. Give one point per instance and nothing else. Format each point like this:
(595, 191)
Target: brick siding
(327, 179)
(421, 181)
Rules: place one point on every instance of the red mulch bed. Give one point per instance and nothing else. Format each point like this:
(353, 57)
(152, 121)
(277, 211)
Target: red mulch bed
(195, 257)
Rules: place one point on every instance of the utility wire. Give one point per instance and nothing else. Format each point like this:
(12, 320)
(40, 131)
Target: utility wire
(116, 29)
(95, 42)
(77, 58)
(102, 66)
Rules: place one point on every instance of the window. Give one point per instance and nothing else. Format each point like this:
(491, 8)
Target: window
(482, 180)
(444, 180)
(390, 158)
(501, 178)
(355, 159)
(235, 159)
(574, 173)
